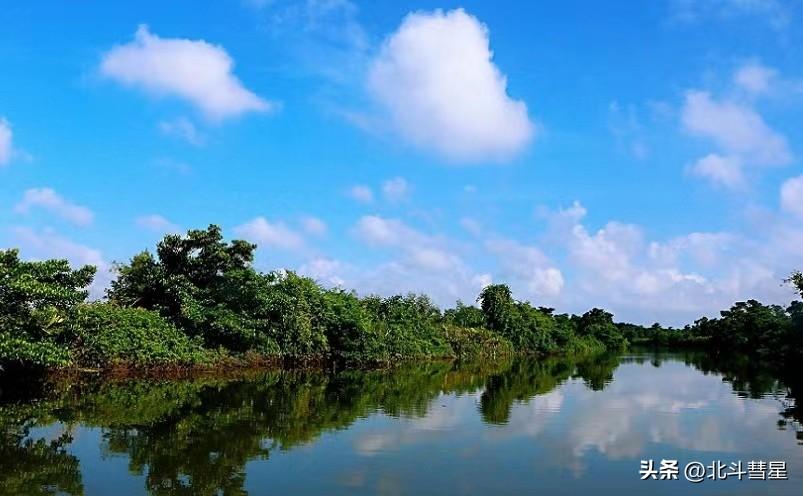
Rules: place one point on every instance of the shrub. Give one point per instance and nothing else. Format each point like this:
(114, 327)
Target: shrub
(467, 342)
(107, 334)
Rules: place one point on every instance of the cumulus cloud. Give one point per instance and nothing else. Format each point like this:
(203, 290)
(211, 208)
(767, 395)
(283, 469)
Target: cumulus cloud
(672, 281)
(194, 70)
(741, 134)
(736, 128)
(395, 189)
(361, 193)
(436, 78)
(704, 249)
(527, 267)
(724, 171)
(156, 223)
(182, 128)
(378, 231)
(263, 232)
(47, 199)
(5, 141)
(792, 196)
(420, 250)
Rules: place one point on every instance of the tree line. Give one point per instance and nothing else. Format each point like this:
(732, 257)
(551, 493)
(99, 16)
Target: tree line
(197, 300)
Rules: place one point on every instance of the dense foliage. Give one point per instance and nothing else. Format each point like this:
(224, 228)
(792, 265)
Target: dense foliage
(38, 304)
(107, 334)
(198, 299)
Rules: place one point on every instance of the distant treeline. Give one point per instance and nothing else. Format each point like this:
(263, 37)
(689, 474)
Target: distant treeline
(198, 301)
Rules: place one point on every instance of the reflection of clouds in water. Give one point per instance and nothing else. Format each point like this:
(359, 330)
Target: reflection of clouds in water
(645, 412)
(353, 479)
(673, 405)
(531, 417)
(444, 414)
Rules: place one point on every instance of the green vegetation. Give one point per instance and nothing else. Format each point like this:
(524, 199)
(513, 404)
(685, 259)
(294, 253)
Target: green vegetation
(108, 334)
(38, 306)
(198, 301)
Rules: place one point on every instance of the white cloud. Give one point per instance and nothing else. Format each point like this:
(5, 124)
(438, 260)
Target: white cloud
(47, 199)
(324, 270)
(754, 77)
(735, 128)
(701, 248)
(157, 223)
(314, 226)
(361, 193)
(436, 78)
(395, 189)
(433, 258)
(47, 244)
(419, 250)
(725, 171)
(673, 281)
(5, 141)
(792, 196)
(276, 235)
(527, 267)
(193, 70)
(183, 128)
(378, 231)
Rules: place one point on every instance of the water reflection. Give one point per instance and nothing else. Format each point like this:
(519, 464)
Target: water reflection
(556, 425)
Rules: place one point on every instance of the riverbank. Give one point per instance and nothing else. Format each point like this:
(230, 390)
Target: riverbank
(198, 303)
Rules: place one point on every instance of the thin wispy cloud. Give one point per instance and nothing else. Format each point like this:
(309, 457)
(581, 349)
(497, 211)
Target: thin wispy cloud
(54, 204)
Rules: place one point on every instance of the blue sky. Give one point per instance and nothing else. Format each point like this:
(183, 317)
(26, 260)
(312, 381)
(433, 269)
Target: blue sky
(644, 158)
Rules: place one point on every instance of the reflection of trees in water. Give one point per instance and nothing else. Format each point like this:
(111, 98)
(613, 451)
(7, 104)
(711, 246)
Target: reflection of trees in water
(196, 436)
(526, 379)
(37, 466)
(751, 378)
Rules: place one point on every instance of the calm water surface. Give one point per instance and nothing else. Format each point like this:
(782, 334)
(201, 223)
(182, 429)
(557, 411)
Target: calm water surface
(517, 427)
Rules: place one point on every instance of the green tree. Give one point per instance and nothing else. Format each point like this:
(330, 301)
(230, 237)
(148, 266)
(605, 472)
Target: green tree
(38, 302)
(197, 281)
(464, 315)
(598, 323)
(496, 302)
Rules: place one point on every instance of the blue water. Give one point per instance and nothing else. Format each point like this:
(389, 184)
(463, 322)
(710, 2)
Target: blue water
(521, 427)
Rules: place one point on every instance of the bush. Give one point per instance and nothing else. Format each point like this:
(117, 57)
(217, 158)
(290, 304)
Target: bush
(21, 351)
(107, 334)
(467, 342)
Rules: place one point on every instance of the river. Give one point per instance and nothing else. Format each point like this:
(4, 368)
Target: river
(523, 426)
